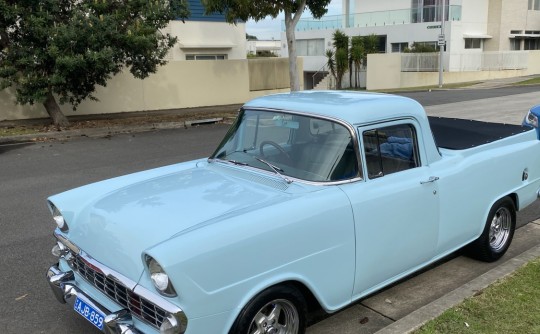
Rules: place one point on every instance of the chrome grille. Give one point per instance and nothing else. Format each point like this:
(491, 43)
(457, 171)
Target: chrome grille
(137, 305)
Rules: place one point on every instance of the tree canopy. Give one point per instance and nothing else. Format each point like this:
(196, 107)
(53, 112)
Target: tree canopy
(257, 10)
(65, 48)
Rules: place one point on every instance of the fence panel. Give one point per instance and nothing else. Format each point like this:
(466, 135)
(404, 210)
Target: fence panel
(492, 61)
(420, 62)
(466, 62)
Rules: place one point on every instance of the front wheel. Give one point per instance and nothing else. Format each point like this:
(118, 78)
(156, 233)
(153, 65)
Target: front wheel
(277, 310)
(498, 232)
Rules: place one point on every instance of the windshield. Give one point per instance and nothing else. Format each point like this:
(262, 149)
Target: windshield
(291, 145)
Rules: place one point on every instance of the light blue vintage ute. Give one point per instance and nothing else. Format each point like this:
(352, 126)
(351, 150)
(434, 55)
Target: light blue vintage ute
(311, 199)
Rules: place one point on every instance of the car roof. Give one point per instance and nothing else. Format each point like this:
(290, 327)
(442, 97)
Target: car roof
(351, 107)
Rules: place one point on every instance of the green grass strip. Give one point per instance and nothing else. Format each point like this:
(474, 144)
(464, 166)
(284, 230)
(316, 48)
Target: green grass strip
(511, 305)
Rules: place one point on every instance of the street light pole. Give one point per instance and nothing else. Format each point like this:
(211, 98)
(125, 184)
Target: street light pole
(441, 42)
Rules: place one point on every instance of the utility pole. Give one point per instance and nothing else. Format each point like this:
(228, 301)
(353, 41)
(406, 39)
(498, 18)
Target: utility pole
(441, 42)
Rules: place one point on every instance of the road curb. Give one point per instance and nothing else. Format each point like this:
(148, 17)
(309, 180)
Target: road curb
(418, 318)
(104, 132)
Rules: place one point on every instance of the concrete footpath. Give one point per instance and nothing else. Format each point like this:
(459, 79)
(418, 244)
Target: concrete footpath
(404, 307)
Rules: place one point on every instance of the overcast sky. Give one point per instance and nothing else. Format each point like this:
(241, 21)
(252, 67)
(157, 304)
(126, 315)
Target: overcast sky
(268, 29)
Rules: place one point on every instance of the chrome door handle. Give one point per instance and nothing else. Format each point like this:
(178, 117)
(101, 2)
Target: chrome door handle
(430, 180)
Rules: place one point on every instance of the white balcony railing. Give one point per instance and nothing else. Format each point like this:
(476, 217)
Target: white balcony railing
(379, 18)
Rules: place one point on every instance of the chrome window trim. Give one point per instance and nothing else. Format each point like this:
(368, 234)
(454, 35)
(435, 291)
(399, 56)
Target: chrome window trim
(412, 121)
(348, 126)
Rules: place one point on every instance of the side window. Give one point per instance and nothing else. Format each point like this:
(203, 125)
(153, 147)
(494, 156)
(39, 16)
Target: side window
(390, 149)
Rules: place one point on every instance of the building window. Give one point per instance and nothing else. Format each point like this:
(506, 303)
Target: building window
(534, 4)
(310, 47)
(473, 43)
(531, 44)
(515, 44)
(399, 47)
(429, 10)
(205, 57)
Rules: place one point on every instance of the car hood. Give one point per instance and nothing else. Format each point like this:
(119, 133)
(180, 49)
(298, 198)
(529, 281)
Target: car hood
(115, 220)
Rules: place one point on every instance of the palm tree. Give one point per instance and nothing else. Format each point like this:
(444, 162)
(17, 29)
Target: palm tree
(338, 60)
(357, 54)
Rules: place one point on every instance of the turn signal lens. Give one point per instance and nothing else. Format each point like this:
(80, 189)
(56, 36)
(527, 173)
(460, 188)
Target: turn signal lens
(172, 325)
(59, 249)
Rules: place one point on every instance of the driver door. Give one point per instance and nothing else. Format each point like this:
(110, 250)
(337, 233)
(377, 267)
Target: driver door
(396, 208)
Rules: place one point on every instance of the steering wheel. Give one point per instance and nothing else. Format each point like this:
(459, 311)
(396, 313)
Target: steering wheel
(276, 145)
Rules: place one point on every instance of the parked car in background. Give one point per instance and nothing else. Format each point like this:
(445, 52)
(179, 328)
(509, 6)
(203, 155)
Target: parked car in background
(311, 199)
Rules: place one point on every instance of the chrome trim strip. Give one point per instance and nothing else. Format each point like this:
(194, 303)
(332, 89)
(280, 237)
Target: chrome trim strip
(349, 126)
(128, 283)
(109, 273)
(66, 242)
(156, 299)
(120, 322)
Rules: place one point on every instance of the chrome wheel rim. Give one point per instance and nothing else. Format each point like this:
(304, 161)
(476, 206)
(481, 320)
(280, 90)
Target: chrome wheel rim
(277, 317)
(499, 230)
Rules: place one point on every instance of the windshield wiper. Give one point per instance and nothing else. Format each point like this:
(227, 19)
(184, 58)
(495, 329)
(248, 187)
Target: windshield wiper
(276, 170)
(234, 162)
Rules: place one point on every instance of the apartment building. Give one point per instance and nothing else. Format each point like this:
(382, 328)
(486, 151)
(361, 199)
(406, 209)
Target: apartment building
(207, 37)
(471, 26)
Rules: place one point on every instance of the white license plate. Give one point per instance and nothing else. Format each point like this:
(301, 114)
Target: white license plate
(89, 313)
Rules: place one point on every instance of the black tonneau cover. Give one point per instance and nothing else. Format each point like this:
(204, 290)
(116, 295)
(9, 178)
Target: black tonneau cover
(460, 134)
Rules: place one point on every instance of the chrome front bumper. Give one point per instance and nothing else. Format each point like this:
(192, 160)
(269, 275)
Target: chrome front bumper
(64, 289)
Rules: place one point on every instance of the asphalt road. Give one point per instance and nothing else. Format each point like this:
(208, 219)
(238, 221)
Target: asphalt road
(450, 96)
(32, 172)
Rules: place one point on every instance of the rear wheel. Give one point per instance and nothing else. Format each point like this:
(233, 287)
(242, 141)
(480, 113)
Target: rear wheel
(498, 232)
(277, 310)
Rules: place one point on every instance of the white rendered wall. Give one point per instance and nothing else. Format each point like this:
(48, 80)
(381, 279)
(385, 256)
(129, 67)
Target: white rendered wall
(197, 37)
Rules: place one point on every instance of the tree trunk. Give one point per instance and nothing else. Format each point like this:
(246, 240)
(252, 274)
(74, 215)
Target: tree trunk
(291, 46)
(290, 25)
(58, 118)
(350, 69)
(4, 40)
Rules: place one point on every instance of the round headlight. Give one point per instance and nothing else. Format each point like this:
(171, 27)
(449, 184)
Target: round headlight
(58, 218)
(159, 278)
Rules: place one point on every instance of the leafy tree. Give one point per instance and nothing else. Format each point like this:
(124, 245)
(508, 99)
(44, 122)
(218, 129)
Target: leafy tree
(371, 45)
(258, 10)
(338, 59)
(64, 48)
(251, 37)
(361, 46)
